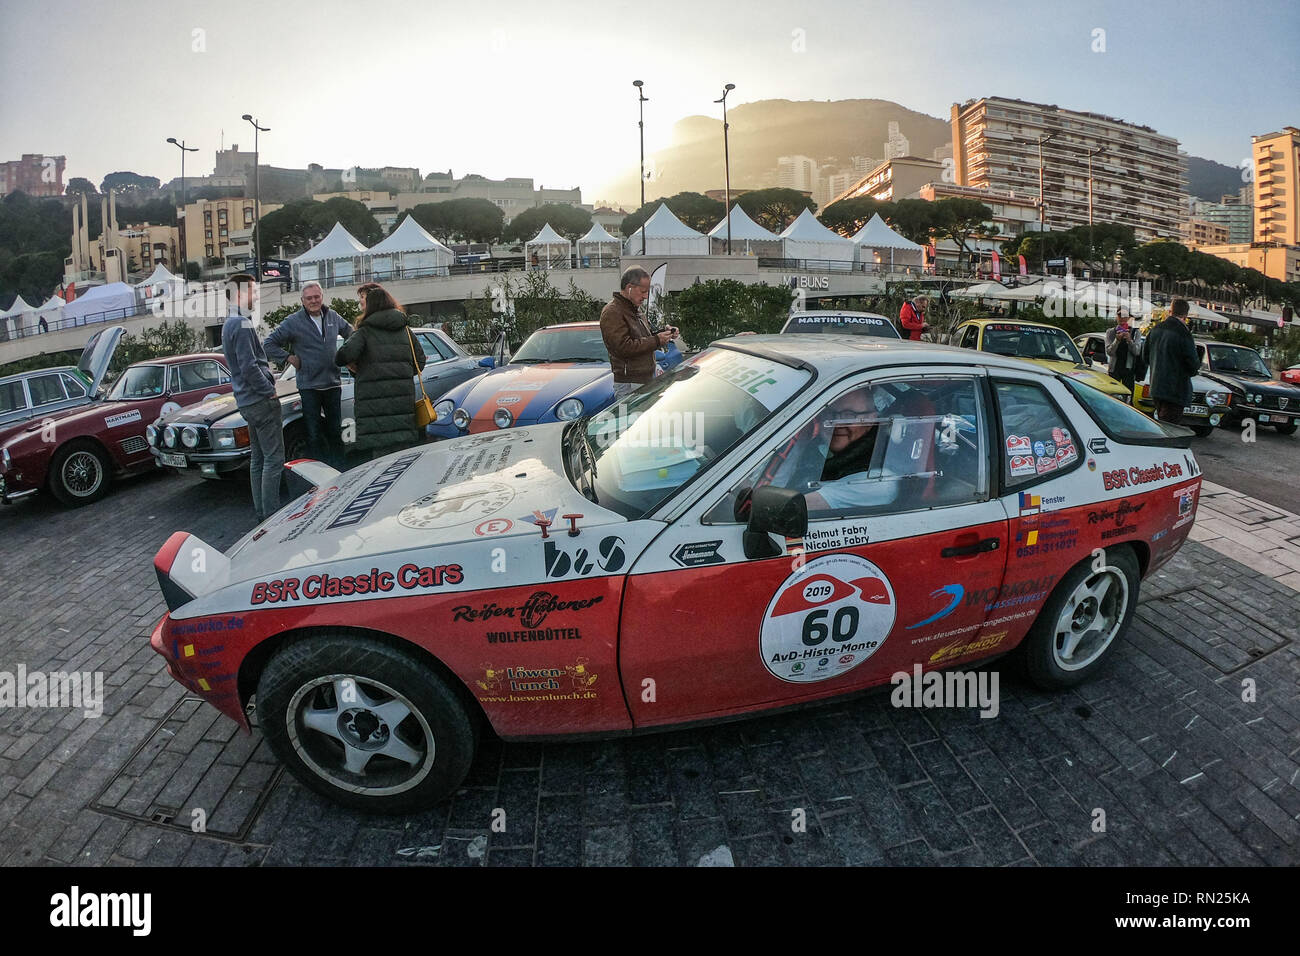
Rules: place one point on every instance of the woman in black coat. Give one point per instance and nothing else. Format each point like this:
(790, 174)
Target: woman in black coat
(384, 356)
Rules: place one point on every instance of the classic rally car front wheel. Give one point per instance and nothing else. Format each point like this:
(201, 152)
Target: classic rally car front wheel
(1078, 626)
(364, 724)
(1202, 431)
(1287, 429)
(80, 473)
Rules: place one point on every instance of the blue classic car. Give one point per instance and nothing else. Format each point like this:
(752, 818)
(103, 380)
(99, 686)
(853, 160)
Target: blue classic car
(560, 373)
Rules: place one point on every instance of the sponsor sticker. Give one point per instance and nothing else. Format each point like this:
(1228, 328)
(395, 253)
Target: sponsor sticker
(369, 496)
(826, 618)
(697, 554)
(122, 418)
(493, 526)
(1022, 465)
(456, 505)
(1131, 477)
(1019, 445)
(566, 682)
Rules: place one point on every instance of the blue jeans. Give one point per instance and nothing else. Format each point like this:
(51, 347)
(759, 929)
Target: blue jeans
(324, 437)
(266, 463)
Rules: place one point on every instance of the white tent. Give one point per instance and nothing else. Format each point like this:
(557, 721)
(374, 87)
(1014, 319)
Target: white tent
(12, 318)
(747, 237)
(879, 245)
(598, 248)
(979, 290)
(103, 303)
(806, 238)
(548, 250)
(666, 235)
(335, 260)
(409, 252)
(51, 312)
(161, 283)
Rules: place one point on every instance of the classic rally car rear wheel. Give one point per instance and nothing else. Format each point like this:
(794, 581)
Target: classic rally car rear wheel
(1080, 622)
(80, 473)
(364, 724)
(1202, 431)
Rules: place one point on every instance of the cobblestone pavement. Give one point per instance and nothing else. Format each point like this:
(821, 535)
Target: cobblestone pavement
(1184, 770)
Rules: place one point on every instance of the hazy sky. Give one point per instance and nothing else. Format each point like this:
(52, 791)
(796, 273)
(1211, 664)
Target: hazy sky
(543, 89)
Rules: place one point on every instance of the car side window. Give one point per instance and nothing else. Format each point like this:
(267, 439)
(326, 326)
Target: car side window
(970, 337)
(434, 347)
(197, 375)
(74, 387)
(46, 389)
(1094, 350)
(11, 397)
(886, 448)
(1036, 438)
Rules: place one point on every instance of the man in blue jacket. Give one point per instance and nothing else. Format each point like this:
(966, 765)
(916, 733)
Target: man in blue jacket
(254, 388)
(1170, 352)
(312, 333)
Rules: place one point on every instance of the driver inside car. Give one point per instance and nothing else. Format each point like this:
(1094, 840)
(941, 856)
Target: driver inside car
(853, 426)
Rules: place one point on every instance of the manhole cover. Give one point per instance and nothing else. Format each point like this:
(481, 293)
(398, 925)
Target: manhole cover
(197, 773)
(1247, 512)
(1222, 633)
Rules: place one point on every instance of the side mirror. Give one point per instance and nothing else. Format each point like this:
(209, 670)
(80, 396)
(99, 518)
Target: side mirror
(774, 510)
(487, 362)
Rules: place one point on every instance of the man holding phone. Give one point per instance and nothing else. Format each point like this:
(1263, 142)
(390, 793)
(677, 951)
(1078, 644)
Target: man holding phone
(628, 339)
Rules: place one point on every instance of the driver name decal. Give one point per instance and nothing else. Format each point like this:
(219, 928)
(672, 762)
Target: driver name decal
(826, 619)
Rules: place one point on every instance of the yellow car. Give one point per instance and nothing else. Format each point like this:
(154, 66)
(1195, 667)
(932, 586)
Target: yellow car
(1039, 343)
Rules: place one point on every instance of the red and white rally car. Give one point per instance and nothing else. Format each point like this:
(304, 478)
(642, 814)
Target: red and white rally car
(781, 520)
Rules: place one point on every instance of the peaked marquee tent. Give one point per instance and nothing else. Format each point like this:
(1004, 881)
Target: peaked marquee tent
(747, 237)
(598, 248)
(14, 318)
(103, 303)
(51, 312)
(409, 252)
(552, 250)
(335, 260)
(879, 245)
(807, 238)
(666, 235)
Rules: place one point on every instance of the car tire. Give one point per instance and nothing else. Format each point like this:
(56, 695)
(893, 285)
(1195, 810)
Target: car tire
(1081, 622)
(80, 473)
(356, 755)
(1287, 429)
(1202, 431)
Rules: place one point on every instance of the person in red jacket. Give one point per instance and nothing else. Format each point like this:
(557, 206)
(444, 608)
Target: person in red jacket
(912, 317)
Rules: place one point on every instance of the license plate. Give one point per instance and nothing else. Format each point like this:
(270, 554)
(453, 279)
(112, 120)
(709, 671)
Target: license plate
(176, 461)
(1197, 410)
(1273, 418)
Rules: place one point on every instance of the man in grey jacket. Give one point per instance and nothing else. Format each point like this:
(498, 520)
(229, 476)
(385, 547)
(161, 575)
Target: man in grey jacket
(312, 333)
(254, 388)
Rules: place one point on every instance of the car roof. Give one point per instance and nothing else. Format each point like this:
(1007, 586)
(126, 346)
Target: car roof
(19, 376)
(176, 359)
(1010, 320)
(568, 325)
(865, 315)
(839, 354)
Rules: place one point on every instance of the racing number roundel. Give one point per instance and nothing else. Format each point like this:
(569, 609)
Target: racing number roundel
(826, 619)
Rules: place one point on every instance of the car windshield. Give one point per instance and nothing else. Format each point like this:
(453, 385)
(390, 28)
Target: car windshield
(876, 325)
(139, 381)
(562, 345)
(633, 455)
(1030, 342)
(1238, 361)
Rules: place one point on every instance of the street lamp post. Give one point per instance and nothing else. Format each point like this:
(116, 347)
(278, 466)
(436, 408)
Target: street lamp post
(1042, 205)
(1090, 155)
(257, 199)
(726, 160)
(184, 198)
(642, 99)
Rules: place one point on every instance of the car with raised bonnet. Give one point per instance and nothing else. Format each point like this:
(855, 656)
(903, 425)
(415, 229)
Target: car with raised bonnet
(560, 373)
(1210, 399)
(28, 395)
(1036, 342)
(212, 440)
(781, 520)
(839, 322)
(77, 454)
(1258, 395)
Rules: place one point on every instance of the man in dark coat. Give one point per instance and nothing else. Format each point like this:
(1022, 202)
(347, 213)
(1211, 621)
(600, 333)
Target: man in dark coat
(628, 339)
(1170, 352)
(385, 357)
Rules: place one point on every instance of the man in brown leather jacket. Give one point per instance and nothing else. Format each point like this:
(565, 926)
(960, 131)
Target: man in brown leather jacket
(628, 339)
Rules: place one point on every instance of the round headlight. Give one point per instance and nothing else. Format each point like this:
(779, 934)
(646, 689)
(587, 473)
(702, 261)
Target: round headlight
(169, 436)
(190, 436)
(460, 418)
(569, 409)
(502, 418)
(151, 435)
(1256, 397)
(442, 411)
(1216, 398)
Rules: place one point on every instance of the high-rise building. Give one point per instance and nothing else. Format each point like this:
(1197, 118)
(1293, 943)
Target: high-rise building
(1197, 232)
(1139, 178)
(894, 179)
(1277, 182)
(797, 172)
(1231, 213)
(34, 174)
(897, 144)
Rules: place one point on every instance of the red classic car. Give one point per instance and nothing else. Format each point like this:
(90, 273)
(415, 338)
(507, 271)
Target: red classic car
(77, 453)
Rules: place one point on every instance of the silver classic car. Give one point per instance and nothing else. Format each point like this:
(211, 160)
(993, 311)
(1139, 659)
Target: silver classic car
(29, 395)
(212, 437)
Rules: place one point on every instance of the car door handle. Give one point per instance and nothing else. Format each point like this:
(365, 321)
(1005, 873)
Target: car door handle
(982, 546)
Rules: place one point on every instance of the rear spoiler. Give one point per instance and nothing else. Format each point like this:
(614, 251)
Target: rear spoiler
(188, 568)
(314, 474)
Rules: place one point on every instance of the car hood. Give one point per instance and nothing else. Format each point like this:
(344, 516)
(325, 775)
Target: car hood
(212, 410)
(1265, 386)
(1098, 380)
(98, 355)
(477, 490)
(529, 391)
